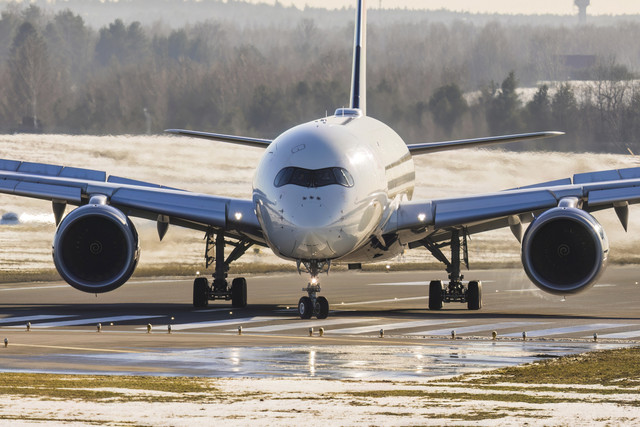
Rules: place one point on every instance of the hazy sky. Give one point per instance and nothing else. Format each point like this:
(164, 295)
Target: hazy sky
(561, 7)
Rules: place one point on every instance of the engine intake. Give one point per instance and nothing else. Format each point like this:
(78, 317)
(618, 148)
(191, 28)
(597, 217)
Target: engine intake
(564, 250)
(95, 248)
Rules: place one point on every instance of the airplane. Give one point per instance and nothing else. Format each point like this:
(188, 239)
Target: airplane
(334, 190)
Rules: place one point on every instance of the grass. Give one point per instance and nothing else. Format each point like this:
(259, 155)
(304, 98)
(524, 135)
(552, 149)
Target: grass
(105, 387)
(617, 367)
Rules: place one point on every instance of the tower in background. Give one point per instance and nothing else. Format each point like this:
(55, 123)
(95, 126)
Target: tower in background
(582, 10)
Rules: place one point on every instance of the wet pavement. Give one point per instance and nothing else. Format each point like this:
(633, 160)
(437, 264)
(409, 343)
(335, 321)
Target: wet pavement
(437, 359)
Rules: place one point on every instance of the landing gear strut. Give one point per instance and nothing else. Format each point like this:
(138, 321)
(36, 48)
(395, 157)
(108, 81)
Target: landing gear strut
(314, 305)
(455, 290)
(220, 288)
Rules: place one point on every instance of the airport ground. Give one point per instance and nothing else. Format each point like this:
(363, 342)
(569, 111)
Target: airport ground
(275, 347)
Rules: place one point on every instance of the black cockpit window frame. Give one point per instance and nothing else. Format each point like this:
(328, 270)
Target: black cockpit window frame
(313, 178)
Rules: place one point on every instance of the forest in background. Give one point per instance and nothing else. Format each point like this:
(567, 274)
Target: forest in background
(428, 79)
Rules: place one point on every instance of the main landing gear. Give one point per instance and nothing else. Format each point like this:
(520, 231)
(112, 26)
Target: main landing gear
(314, 305)
(455, 291)
(220, 289)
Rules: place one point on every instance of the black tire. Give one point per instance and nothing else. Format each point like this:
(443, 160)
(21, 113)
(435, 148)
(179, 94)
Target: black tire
(200, 292)
(474, 295)
(322, 308)
(239, 292)
(305, 308)
(435, 295)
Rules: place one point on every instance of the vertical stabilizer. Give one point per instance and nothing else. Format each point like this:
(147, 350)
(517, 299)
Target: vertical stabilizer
(359, 74)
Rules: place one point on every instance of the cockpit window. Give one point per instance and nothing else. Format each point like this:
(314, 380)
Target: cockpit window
(313, 178)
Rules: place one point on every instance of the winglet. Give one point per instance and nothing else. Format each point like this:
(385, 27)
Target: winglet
(359, 74)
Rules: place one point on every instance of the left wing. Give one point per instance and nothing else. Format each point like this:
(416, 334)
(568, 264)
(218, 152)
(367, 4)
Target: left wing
(591, 191)
(75, 186)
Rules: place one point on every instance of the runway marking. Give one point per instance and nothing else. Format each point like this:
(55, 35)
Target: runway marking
(305, 324)
(34, 318)
(29, 288)
(211, 310)
(94, 320)
(478, 328)
(225, 322)
(570, 329)
(604, 285)
(422, 283)
(626, 334)
(521, 290)
(400, 284)
(99, 350)
(381, 300)
(149, 282)
(392, 326)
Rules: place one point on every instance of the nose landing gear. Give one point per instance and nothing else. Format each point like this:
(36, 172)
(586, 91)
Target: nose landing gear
(314, 305)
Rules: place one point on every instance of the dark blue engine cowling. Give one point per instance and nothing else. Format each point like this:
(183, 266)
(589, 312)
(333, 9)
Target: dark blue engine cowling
(95, 248)
(564, 250)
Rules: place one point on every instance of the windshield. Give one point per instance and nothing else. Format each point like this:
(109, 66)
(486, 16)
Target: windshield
(313, 178)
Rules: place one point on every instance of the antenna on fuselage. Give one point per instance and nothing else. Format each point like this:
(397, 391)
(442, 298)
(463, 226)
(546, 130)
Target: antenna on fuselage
(359, 73)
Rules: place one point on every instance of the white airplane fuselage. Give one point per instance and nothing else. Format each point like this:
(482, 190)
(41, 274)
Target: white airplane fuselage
(343, 175)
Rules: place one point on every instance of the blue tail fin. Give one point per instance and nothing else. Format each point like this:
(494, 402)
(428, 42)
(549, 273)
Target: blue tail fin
(359, 74)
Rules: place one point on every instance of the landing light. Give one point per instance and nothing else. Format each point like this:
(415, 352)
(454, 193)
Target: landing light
(422, 217)
(238, 216)
(314, 280)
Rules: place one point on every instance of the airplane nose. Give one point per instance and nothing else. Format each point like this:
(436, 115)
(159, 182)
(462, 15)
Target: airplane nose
(309, 227)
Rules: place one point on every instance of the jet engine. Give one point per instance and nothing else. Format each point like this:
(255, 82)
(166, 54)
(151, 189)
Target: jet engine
(564, 250)
(95, 248)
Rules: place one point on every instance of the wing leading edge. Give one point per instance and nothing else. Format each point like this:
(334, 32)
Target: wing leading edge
(595, 191)
(75, 186)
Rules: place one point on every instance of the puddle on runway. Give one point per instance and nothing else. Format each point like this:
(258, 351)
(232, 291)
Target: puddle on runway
(332, 362)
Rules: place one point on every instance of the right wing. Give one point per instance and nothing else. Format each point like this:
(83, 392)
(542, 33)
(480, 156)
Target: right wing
(75, 186)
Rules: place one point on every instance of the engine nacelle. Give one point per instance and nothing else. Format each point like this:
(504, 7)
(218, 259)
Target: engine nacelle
(95, 248)
(564, 250)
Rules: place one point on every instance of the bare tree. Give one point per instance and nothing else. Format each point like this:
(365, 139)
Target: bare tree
(30, 72)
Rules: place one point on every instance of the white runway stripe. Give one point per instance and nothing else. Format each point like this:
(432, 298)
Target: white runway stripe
(305, 324)
(33, 318)
(477, 328)
(392, 326)
(93, 321)
(33, 288)
(381, 300)
(619, 335)
(570, 329)
(226, 322)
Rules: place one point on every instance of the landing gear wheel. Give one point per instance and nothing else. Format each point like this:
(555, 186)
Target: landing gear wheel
(474, 295)
(322, 308)
(435, 295)
(200, 292)
(239, 292)
(305, 308)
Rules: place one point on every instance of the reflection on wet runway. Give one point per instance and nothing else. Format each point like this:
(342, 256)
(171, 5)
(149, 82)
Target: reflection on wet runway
(438, 359)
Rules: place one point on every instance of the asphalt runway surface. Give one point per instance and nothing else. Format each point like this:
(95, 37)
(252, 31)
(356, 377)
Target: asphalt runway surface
(276, 342)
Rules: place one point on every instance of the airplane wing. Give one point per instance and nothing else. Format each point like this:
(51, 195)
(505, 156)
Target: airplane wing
(75, 186)
(592, 191)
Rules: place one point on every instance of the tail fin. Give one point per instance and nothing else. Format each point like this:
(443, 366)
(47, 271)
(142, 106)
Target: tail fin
(359, 76)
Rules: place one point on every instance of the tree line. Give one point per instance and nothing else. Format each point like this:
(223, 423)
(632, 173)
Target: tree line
(428, 80)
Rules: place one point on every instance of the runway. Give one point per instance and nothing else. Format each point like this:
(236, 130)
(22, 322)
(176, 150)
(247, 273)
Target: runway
(275, 341)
